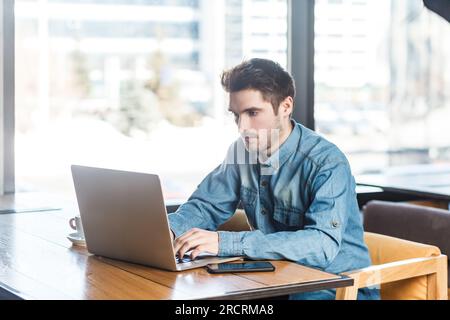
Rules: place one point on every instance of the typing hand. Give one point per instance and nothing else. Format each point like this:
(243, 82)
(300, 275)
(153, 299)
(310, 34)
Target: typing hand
(198, 241)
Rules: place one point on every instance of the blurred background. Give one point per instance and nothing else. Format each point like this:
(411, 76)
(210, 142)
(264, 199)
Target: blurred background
(135, 84)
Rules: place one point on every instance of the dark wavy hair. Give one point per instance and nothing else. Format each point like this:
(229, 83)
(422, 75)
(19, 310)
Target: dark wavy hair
(266, 76)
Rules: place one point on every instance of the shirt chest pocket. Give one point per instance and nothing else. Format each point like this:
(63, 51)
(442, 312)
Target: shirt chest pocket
(288, 216)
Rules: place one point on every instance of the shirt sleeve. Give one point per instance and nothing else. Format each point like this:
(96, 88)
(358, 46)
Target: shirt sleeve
(213, 202)
(317, 244)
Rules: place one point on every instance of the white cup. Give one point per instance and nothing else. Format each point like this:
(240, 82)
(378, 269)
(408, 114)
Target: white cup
(75, 224)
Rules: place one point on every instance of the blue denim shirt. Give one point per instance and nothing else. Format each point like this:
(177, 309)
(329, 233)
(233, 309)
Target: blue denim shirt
(301, 204)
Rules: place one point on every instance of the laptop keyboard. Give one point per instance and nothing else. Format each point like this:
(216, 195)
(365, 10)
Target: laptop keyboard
(184, 259)
(187, 258)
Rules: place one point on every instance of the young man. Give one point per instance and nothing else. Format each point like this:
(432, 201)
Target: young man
(298, 192)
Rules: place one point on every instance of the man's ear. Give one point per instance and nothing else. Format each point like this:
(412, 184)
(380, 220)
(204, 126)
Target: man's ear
(286, 107)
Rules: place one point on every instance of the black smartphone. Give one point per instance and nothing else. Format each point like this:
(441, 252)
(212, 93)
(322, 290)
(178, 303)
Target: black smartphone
(239, 267)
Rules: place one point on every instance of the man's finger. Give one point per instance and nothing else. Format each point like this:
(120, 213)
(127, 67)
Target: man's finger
(187, 234)
(180, 243)
(181, 239)
(188, 245)
(195, 253)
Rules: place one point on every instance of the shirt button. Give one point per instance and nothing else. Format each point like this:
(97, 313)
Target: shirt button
(263, 211)
(264, 183)
(335, 224)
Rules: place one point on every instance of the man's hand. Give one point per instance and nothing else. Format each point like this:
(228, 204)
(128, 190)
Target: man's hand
(198, 241)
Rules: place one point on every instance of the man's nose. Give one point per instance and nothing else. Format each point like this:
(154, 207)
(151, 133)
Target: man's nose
(243, 124)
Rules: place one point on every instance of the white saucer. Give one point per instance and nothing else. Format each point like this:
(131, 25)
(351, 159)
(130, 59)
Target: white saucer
(76, 239)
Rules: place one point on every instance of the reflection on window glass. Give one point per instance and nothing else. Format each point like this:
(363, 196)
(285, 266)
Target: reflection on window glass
(133, 85)
(383, 82)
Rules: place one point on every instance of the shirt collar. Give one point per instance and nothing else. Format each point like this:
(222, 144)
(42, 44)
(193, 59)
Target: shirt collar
(276, 160)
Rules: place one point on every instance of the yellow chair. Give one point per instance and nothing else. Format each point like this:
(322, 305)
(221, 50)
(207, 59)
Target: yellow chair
(405, 270)
(410, 222)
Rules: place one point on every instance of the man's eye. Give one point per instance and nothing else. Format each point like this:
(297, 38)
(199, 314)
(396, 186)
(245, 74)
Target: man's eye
(252, 113)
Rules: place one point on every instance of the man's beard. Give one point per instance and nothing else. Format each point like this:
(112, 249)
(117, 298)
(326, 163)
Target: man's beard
(260, 145)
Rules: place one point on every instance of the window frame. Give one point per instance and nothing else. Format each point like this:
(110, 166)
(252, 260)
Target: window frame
(7, 78)
(301, 58)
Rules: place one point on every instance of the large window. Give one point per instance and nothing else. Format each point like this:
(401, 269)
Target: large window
(132, 84)
(382, 80)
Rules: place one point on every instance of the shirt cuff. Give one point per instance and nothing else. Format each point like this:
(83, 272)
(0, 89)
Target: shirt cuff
(230, 244)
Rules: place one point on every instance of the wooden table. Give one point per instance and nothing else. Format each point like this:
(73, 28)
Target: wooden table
(38, 262)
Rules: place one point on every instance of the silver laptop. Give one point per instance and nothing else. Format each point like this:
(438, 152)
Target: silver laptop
(124, 217)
